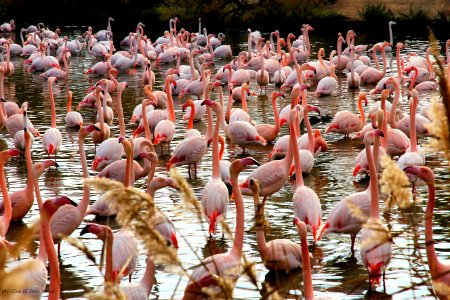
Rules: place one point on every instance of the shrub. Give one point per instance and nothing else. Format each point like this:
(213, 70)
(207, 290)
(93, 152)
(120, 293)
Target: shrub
(372, 12)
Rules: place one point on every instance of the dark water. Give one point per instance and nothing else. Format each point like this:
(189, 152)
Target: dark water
(334, 271)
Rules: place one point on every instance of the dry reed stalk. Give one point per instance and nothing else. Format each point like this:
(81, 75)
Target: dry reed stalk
(395, 183)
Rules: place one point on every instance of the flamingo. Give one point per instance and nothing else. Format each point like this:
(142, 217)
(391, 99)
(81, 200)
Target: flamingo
(103, 134)
(8, 67)
(262, 76)
(267, 131)
(422, 86)
(194, 112)
(271, 176)
(413, 156)
(101, 67)
(327, 85)
(306, 203)
(440, 271)
(375, 254)
(165, 129)
(277, 254)
(353, 79)
(73, 118)
(215, 193)
(5, 219)
(141, 290)
(49, 208)
(123, 244)
(347, 122)
(226, 265)
(240, 114)
(372, 75)
(52, 137)
(68, 218)
(341, 218)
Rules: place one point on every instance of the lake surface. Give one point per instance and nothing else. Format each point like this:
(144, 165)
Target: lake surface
(334, 270)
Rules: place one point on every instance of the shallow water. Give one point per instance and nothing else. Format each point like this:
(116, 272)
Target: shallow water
(334, 270)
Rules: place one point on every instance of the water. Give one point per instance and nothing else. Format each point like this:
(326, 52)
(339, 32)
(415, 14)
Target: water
(335, 272)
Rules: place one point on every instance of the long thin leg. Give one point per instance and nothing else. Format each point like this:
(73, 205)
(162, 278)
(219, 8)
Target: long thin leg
(129, 278)
(353, 237)
(59, 250)
(189, 171)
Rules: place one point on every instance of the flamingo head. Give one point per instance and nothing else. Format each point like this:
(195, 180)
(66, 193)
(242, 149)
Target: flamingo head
(7, 154)
(207, 102)
(99, 230)
(301, 228)
(188, 103)
(138, 131)
(51, 206)
(424, 173)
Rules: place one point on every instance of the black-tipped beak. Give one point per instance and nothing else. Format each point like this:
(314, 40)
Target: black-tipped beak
(57, 165)
(71, 202)
(96, 128)
(229, 188)
(85, 230)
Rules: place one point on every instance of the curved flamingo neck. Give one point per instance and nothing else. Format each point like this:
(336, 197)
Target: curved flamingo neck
(148, 279)
(383, 54)
(120, 110)
(412, 126)
(414, 79)
(84, 203)
(294, 148)
(260, 235)
(339, 49)
(109, 239)
(29, 163)
(191, 65)
(429, 63)
(375, 59)
(394, 104)
(249, 45)
(170, 106)
(386, 130)
(209, 129)
(52, 104)
(145, 121)
(374, 205)
(112, 78)
(352, 66)
(362, 117)
(433, 261)
(229, 105)
(5, 219)
(215, 145)
(306, 270)
(191, 116)
(100, 110)
(399, 65)
(236, 250)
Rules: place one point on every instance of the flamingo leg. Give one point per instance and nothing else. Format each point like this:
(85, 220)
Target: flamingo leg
(353, 237)
(195, 170)
(189, 171)
(59, 250)
(129, 278)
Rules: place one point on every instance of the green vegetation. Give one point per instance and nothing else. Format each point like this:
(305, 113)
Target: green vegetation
(375, 12)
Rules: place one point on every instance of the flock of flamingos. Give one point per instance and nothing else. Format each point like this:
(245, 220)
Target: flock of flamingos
(285, 63)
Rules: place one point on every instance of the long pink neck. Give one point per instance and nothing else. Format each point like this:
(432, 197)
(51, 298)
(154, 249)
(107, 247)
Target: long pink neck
(306, 271)
(149, 276)
(413, 81)
(100, 111)
(52, 104)
(412, 126)
(145, 121)
(375, 59)
(191, 116)
(339, 50)
(215, 146)
(109, 255)
(294, 148)
(433, 262)
(384, 125)
(5, 219)
(375, 206)
(229, 105)
(84, 203)
(209, 130)
(55, 280)
(383, 54)
(120, 111)
(394, 105)
(310, 132)
(170, 106)
(276, 114)
(429, 63)
(260, 236)
(362, 117)
(236, 250)
(29, 163)
(399, 65)
(244, 100)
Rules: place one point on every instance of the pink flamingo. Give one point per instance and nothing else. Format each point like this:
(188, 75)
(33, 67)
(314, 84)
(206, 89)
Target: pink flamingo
(240, 76)
(165, 129)
(190, 130)
(215, 193)
(372, 75)
(341, 218)
(5, 219)
(267, 131)
(375, 255)
(52, 137)
(412, 157)
(347, 122)
(262, 76)
(49, 208)
(68, 218)
(306, 204)
(327, 85)
(226, 265)
(425, 85)
(56, 71)
(439, 271)
(8, 67)
(141, 290)
(15, 123)
(240, 114)
(123, 244)
(271, 176)
(73, 118)
(353, 79)
(340, 60)
(103, 134)
(101, 67)
(277, 254)
(22, 200)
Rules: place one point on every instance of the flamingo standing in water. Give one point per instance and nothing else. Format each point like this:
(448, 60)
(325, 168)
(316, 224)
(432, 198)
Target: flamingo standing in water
(347, 122)
(277, 254)
(305, 201)
(52, 137)
(226, 265)
(165, 129)
(215, 194)
(73, 118)
(103, 134)
(267, 131)
(375, 253)
(372, 75)
(440, 272)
